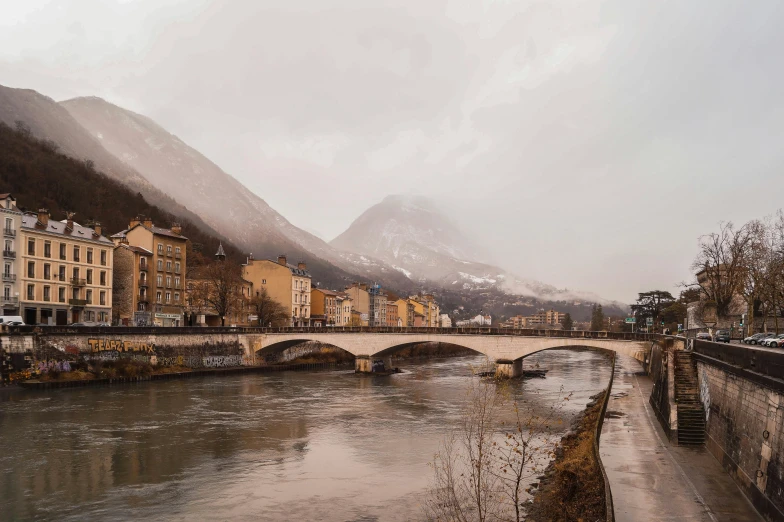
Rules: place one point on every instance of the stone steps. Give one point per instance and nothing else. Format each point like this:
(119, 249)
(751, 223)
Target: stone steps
(691, 413)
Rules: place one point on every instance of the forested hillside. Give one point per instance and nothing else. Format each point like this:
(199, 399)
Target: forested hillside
(39, 176)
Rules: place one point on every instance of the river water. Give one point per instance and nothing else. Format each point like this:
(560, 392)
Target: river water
(284, 446)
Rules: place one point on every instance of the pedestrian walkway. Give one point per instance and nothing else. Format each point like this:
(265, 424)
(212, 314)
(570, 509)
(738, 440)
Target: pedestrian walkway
(651, 479)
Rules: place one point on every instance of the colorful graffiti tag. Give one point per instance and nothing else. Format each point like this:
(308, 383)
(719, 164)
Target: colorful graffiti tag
(100, 345)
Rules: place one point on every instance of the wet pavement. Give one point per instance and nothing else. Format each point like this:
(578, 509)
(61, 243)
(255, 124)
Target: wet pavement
(652, 479)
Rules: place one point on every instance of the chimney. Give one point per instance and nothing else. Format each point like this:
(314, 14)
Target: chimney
(175, 228)
(302, 266)
(135, 221)
(282, 260)
(69, 221)
(97, 229)
(43, 216)
(147, 222)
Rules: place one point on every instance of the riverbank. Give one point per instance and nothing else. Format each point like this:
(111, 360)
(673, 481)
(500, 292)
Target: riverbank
(52, 384)
(573, 487)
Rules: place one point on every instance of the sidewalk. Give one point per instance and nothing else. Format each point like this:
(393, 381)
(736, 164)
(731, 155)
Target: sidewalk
(651, 479)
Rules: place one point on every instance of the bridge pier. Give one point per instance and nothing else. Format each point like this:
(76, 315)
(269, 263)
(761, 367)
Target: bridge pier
(364, 363)
(506, 369)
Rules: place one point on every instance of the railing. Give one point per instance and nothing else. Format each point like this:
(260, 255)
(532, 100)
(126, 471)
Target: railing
(9, 278)
(75, 281)
(10, 254)
(7, 299)
(143, 284)
(9, 232)
(143, 267)
(177, 255)
(77, 302)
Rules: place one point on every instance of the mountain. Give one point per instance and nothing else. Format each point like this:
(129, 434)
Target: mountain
(226, 205)
(411, 234)
(39, 175)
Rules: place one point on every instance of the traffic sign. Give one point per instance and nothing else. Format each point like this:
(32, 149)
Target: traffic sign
(649, 321)
(631, 320)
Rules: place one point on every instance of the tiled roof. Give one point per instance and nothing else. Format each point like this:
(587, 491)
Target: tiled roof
(137, 249)
(155, 230)
(58, 227)
(328, 292)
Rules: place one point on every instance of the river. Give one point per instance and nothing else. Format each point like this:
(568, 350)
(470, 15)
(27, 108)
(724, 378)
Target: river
(283, 446)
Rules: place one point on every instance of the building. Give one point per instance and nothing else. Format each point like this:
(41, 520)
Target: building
(419, 320)
(12, 223)
(324, 306)
(393, 319)
(479, 320)
(287, 284)
(542, 318)
(358, 292)
(165, 275)
(405, 311)
(377, 306)
(131, 285)
(66, 271)
(445, 321)
(344, 306)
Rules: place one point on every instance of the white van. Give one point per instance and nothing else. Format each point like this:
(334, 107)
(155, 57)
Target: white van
(11, 320)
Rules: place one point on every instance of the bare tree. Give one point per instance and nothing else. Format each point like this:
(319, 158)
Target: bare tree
(721, 263)
(268, 311)
(483, 466)
(223, 288)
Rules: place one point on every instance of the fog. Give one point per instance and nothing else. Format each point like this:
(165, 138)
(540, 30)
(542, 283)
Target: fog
(587, 144)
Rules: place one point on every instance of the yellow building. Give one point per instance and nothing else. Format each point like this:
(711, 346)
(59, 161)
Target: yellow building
(287, 284)
(344, 305)
(66, 271)
(165, 275)
(324, 304)
(405, 311)
(358, 292)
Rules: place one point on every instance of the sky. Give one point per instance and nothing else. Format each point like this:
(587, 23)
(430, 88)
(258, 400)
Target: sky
(588, 144)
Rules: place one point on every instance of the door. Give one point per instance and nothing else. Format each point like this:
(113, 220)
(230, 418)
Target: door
(75, 316)
(30, 316)
(61, 317)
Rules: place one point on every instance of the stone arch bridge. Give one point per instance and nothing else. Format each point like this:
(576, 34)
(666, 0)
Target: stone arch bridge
(505, 347)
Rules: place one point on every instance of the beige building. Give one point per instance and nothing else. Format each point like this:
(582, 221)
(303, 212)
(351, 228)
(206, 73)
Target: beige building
(358, 292)
(12, 223)
(165, 274)
(287, 284)
(344, 305)
(66, 271)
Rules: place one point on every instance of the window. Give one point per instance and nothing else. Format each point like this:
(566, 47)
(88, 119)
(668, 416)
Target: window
(160, 265)
(177, 267)
(176, 297)
(168, 249)
(168, 297)
(75, 273)
(176, 282)
(103, 277)
(159, 279)
(47, 271)
(47, 293)
(7, 269)
(31, 269)
(103, 257)
(61, 294)
(168, 281)
(103, 317)
(89, 296)
(47, 249)
(158, 297)
(102, 297)
(8, 246)
(62, 251)
(264, 281)
(77, 254)
(90, 255)
(30, 292)
(168, 266)
(62, 273)
(9, 224)
(296, 298)
(160, 248)
(31, 247)
(177, 250)
(89, 276)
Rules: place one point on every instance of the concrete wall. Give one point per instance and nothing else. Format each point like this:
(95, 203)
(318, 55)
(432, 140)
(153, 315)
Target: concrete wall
(745, 420)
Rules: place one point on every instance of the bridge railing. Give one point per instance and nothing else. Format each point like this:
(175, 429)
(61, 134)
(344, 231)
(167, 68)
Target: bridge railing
(197, 330)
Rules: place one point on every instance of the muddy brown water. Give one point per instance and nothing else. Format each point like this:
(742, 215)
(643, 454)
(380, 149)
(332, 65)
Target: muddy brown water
(284, 446)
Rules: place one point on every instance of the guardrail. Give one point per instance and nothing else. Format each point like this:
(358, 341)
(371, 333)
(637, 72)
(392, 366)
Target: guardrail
(179, 330)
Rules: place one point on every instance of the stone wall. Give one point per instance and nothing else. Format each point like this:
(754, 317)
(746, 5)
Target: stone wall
(744, 426)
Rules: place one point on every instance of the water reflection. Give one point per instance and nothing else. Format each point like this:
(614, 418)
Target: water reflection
(328, 446)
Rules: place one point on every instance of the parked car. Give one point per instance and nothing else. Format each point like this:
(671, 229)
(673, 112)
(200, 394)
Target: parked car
(754, 337)
(722, 336)
(704, 336)
(772, 341)
(12, 320)
(761, 338)
(777, 343)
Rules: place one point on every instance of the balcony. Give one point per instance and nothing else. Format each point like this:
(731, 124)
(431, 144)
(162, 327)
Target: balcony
(169, 254)
(143, 267)
(143, 284)
(177, 255)
(160, 284)
(143, 298)
(8, 300)
(9, 254)
(177, 270)
(9, 278)
(75, 281)
(9, 232)
(77, 302)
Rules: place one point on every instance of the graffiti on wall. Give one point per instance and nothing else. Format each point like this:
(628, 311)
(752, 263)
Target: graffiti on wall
(53, 366)
(100, 345)
(222, 361)
(705, 396)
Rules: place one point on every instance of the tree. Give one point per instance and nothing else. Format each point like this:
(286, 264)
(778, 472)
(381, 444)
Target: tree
(597, 318)
(223, 288)
(567, 322)
(483, 466)
(269, 311)
(651, 304)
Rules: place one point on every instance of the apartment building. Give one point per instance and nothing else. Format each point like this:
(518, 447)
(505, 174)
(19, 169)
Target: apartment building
(405, 312)
(344, 305)
(66, 271)
(165, 274)
(393, 319)
(287, 284)
(131, 284)
(324, 305)
(358, 292)
(542, 318)
(12, 223)
(377, 306)
(445, 321)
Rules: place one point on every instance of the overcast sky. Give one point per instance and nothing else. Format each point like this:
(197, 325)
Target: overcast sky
(587, 143)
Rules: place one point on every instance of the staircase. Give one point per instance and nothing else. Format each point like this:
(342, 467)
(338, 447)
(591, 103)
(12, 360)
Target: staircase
(691, 413)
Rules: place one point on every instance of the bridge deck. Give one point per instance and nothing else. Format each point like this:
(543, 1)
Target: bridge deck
(649, 478)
